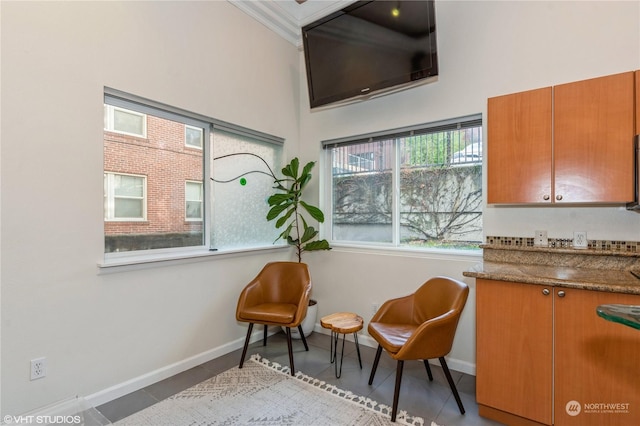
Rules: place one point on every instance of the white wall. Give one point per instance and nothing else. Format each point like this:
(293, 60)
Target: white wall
(100, 330)
(485, 49)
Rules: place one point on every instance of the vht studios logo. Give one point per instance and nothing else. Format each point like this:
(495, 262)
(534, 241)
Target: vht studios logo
(573, 408)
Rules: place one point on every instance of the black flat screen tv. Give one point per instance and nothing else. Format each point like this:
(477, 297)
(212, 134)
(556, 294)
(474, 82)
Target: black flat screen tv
(368, 47)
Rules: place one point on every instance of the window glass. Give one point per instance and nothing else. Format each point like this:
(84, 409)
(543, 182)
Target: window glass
(441, 188)
(125, 121)
(362, 204)
(124, 197)
(193, 137)
(438, 171)
(159, 191)
(242, 184)
(166, 165)
(193, 196)
(128, 122)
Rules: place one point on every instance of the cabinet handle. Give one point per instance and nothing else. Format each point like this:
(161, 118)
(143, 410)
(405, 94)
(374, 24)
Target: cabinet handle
(558, 197)
(546, 292)
(561, 293)
(545, 197)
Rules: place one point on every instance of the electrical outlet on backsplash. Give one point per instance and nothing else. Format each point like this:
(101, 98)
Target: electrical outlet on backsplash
(580, 240)
(567, 243)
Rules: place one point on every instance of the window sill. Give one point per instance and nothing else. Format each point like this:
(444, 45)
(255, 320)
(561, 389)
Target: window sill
(120, 262)
(390, 250)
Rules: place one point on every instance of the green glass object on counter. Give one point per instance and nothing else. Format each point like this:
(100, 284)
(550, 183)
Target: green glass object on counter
(623, 314)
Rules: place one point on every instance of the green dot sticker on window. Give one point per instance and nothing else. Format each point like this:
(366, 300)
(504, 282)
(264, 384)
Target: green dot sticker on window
(243, 181)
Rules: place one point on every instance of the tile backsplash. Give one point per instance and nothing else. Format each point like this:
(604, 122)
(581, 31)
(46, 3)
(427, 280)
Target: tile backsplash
(603, 245)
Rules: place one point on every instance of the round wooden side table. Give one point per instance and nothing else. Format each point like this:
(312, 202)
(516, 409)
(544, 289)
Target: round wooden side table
(342, 323)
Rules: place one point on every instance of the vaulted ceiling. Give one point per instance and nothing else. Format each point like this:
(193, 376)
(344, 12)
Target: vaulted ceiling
(286, 17)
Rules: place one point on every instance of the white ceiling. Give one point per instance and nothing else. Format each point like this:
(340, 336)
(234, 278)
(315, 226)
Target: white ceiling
(286, 17)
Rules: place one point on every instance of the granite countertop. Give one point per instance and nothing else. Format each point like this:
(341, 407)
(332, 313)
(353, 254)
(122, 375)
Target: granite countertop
(581, 270)
(617, 281)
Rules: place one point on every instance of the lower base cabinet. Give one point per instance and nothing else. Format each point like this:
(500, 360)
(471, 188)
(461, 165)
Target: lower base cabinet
(545, 357)
(514, 355)
(597, 362)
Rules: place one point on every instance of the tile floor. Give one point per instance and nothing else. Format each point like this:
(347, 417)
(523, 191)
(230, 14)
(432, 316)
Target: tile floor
(432, 401)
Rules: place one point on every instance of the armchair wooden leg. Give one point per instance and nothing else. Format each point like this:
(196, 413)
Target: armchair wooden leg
(396, 392)
(246, 344)
(428, 367)
(304, 339)
(293, 372)
(375, 364)
(451, 384)
(264, 338)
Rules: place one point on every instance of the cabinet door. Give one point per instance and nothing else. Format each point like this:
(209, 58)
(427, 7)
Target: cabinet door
(593, 140)
(514, 339)
(596, 362)
(637, 102)
(519, 148)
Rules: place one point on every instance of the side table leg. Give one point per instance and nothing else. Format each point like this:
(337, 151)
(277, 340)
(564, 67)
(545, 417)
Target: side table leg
(355, 338)
(334, 346)
(339, 373)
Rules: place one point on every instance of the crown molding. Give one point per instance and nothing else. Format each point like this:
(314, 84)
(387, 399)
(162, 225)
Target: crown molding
(285, 18)
(274, 17)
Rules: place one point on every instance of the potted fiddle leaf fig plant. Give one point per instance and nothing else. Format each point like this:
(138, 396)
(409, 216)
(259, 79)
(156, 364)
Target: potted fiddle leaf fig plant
(289, 209)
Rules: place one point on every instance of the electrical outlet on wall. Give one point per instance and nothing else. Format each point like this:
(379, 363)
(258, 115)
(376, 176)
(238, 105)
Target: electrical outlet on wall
(580, 240)
(38, 368)
(541, 239)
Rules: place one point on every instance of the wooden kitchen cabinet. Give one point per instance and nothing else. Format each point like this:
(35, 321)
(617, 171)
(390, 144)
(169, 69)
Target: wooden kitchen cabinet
(638, 102)
(593, 140)
(519, 152)
(572, 143)
(597, 362)
(514, 340)
(542, 349)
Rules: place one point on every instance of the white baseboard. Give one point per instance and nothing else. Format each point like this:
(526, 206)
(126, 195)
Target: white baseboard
(137, 383)
(61, 412)
(461, 366)
(75, 404)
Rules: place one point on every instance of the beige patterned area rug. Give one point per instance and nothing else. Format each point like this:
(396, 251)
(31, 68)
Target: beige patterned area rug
(263, 393)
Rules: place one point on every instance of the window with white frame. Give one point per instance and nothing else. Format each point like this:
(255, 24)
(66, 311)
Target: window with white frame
(418, 187)
(124, 197)
(159, 191)
(122, 120)
(193, 137)
(193, 195)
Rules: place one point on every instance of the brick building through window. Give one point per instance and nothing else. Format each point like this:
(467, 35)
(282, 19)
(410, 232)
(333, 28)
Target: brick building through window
(150, 199)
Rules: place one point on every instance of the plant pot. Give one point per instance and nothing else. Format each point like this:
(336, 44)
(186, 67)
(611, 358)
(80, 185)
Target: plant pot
(308, 323)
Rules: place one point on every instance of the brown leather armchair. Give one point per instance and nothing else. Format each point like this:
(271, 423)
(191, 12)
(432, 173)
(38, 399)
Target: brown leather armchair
(279, 295)
(420, 326)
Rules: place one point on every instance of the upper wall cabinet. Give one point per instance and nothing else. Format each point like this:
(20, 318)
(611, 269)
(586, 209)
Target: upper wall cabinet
(519, 151)
(569, 144)
(593, 140)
